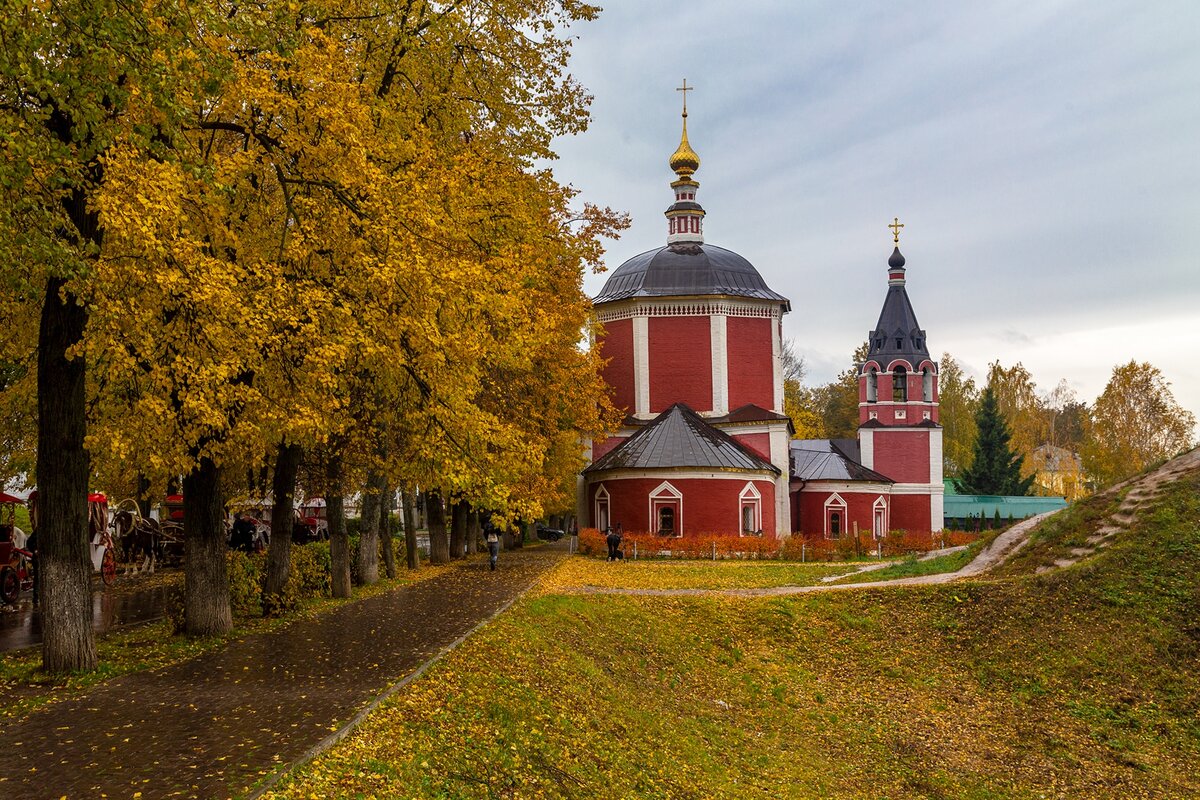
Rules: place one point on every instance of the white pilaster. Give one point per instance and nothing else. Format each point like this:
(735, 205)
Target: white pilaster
(866, 447)
(781, 458)
(719, 333)
(641, 366)
(777, 363)
(936, 487)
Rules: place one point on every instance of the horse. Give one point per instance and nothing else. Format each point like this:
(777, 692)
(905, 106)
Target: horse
(140, 538)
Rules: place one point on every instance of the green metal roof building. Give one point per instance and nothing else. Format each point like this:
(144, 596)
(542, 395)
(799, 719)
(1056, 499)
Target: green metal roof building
(969, 511)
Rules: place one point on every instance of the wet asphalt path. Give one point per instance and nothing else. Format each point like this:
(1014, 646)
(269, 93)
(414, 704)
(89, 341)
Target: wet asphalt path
(213, 726)
(22, 627)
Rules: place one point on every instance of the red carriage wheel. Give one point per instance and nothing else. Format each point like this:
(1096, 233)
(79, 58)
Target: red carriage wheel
(108, 567)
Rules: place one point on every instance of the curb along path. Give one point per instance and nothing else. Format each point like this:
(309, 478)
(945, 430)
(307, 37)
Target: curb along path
(215, 725)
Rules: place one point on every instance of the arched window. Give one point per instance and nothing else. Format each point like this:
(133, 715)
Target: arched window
(899, 385)
(666, 510)
(750, 502)
(872, 385)
(927, 385)
(602, 517)
(835, 516)
(879, 526)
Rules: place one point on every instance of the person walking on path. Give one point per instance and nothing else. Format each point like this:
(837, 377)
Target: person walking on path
(493, 544)
(613, 540)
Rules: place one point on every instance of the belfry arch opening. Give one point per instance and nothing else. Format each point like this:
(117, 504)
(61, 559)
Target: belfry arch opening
(899, 385)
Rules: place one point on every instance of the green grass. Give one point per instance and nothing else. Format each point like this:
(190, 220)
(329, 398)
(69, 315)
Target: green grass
(914, 566)
(582, 571)
(1079, 683)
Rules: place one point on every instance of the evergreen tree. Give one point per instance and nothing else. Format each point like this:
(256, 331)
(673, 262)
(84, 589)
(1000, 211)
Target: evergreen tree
(996, 470)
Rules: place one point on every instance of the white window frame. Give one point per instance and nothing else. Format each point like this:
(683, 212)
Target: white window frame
(602, 499)
(666, 495)
(879, 512)
(750, 496)
(835, 504)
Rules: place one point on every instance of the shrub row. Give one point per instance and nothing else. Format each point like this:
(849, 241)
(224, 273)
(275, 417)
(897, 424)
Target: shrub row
(793, 548)
(309, 577)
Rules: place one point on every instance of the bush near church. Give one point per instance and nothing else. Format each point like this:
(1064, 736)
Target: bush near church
(795, 548)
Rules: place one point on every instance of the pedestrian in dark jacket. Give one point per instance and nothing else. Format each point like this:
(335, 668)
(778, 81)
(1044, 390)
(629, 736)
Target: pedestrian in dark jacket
(492, 537)
(613, 540)
(242, 535)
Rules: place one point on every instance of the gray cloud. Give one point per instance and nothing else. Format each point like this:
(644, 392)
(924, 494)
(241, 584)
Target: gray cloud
(1043, 158)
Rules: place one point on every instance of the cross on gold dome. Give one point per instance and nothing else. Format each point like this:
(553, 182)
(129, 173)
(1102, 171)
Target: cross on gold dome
(685, 89)
(896, 226)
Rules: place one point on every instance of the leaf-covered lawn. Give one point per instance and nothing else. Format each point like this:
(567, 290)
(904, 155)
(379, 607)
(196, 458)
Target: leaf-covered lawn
(1072, 684)
(652, 574)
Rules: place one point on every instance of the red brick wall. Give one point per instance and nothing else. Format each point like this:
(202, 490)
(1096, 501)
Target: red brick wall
(758, 442)
(809, 509)
(617, 346)
(910, 512)
(709, 506)
(902, 456)
(601, 448)
(680, 362)
(751, 366)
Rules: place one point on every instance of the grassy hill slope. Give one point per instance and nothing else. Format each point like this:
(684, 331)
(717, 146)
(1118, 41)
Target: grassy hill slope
(1072, 683)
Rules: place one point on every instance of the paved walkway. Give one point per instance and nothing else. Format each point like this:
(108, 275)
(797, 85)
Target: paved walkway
(214, 726)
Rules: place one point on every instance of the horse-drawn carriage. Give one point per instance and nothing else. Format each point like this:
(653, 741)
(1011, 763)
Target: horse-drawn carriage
(16, 562)
(147, 542)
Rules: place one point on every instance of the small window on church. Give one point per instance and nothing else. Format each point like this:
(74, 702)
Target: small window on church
(878, 343)
(899, 385)
(835, 525)
(899, 344)
(927, 385)
(872, 386)
(666, 521)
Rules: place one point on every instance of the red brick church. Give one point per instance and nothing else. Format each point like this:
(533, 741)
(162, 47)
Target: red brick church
(693, 338)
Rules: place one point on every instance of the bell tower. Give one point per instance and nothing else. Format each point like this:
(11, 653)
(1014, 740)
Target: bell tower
(899, 433)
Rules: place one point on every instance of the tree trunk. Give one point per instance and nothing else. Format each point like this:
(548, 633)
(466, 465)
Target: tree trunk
(409, 500)
(339, 545)
(206, 574)
(279, 553)
(368, 543)
(435, 514)
(385, 531)
(473, 531)
(143, 496)
(458, 528)
(68, 642)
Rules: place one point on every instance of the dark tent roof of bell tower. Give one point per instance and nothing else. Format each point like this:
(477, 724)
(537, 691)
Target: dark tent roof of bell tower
(897, 334)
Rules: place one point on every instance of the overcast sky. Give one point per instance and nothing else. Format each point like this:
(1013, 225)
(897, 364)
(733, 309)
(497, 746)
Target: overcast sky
(1044, 158)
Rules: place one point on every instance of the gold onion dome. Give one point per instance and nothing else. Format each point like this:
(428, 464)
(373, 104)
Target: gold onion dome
(684, 160)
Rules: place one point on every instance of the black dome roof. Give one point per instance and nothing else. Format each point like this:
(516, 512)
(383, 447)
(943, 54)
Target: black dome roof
(687, 269)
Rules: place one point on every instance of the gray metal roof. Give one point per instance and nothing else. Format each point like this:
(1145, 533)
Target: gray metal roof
(897, 334)
(687, 269)
(679, 437)
(826, 460)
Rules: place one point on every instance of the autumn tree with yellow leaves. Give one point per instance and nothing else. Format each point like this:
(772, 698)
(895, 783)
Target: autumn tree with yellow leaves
(294, 203)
